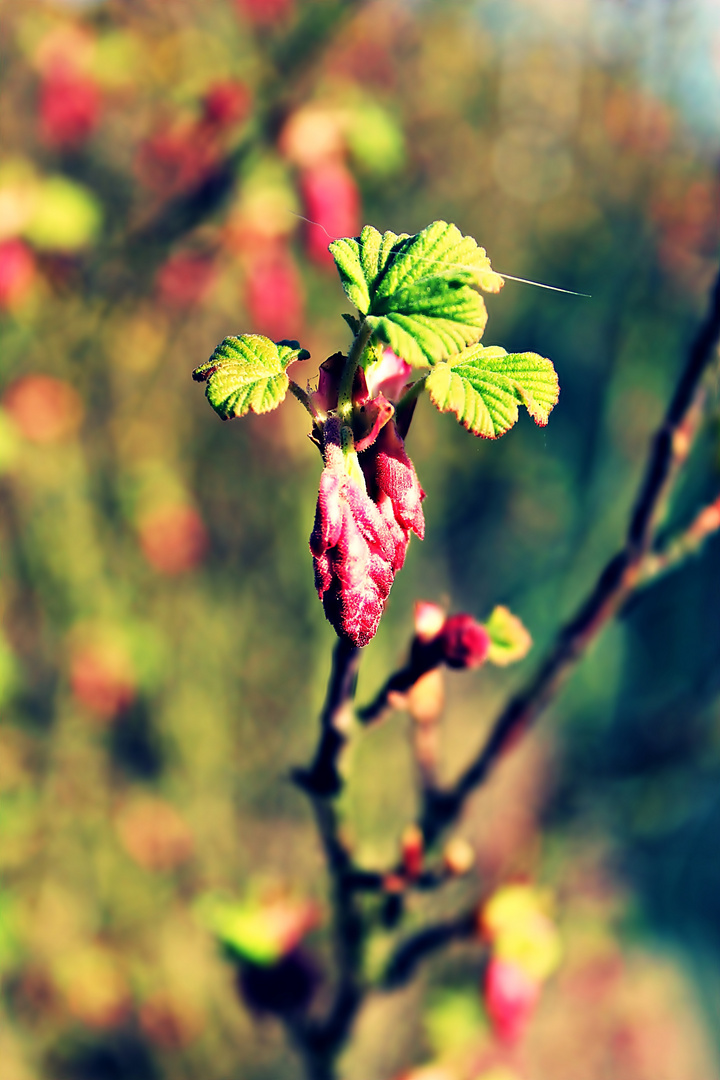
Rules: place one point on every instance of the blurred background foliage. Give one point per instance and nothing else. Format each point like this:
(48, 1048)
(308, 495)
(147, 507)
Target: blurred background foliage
(164, 656)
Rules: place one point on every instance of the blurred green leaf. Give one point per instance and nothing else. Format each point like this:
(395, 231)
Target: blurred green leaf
(10, 442)
(418, 293)
(375, 139)
(117, 57)
(454, 1018)
(9, 943)
(247, 374)
(509, 640)
(257, 931)
(9, 673)
(485, 385)
(66, 216)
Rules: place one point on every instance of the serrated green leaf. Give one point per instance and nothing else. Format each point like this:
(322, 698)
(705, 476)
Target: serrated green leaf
(485, 386)
(248, 374)
(509, 639)
(418, 293)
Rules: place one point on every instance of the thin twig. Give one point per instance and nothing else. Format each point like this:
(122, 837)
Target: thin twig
(323, 778)
(617, 580)
(424, 656)
(320, 1042)
(419, 946)
(681, 547)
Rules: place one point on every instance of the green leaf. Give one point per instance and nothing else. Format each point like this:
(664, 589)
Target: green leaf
(485, 386)
(248, 374)
(509, 639)
(418, 293)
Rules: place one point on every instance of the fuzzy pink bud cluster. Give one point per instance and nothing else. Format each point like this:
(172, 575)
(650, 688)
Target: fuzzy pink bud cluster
(368, 504)
(359, 541)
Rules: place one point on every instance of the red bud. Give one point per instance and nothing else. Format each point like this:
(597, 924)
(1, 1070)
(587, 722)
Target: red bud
(464, 642)
(413, 849)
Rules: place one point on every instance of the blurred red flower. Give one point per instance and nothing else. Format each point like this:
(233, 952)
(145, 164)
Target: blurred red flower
(510, 998)
(172, 160)
(331, 200)
(185, 279)
(273, 293)
(102, 679)
(154, 834)
(45, 409)
(70, 106)
(265, 12)
(226, 103)
(173, 538)
(17, 273)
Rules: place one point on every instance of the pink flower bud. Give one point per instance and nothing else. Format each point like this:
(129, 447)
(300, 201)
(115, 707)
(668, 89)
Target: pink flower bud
(464, 642)
(510, 998)
(69, 107)
(383, 499)
(395, 476)
(352, 547)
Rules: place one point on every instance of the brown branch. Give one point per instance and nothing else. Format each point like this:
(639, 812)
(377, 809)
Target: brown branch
(424, 656)
(621, 575)
(320, 1042)
(419, 946)
(322, 778)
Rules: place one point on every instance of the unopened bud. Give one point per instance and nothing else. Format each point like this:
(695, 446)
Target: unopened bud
(464, 642)
(413, 849)
(458, 856)
(429, 620)
(393, 884)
